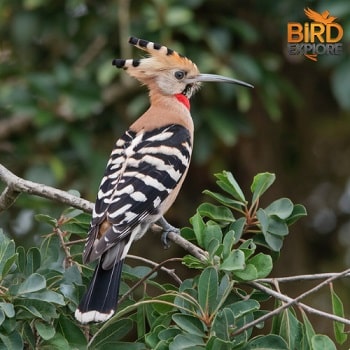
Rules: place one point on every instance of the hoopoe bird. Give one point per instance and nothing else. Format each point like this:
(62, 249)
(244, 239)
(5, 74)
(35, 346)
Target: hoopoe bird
(144, 173)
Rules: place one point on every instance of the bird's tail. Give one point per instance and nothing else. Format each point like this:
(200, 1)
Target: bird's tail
(100, 300)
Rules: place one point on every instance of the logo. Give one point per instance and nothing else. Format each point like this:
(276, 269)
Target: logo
(320, 37)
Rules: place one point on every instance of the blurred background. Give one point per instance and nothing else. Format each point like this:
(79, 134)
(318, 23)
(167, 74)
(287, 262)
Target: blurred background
(63, 105)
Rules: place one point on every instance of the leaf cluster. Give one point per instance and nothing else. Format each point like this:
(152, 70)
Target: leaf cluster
(40, 287)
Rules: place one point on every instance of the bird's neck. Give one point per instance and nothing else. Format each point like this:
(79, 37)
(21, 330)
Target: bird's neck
(165, 110)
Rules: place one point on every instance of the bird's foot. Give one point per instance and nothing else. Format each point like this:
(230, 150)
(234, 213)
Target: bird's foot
(167, 228)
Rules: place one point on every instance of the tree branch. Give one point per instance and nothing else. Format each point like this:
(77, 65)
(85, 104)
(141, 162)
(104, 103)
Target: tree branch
(17, 185)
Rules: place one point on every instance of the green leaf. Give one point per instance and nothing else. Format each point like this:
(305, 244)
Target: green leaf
(210, 232)
(338, 310)
(21, 259)
(56, 342)
(28, 311)
(188, 233)
(277, 227)
(120, 345)
(162, 308)
(282, 208)
(228, 202)
(261, 183)
(33, 283)
(224, 289)
(229, 240)
(28, 336)
(138, 272)
(223, 323)
(263, 220)
(208, 289)
(248, 248)
(234, 262)
(72, 333)
(187, 342)
(12, 341)
(190, 324)
(229, 184)
(2, 319)
(7, 254)
(112, 330)
(192, 262)
(51, 254)
(238, 227)
(48, 296)
(270, 342)
(249, 273)
(244, 307)
(309, 330)
(298, 212)
(46, 331)
(169, 333)
(290, 329)
(46, 219)
(141, 318)
(322, 342)
(275, 242)
(216, 213)
(198, 228)
(263, 264)
(33, 261)
(152, 338)
(8, 309)
(9, 265)
(214, 249)
(216, 343)
(75, 228)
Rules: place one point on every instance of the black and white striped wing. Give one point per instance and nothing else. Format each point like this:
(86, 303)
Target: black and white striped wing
(143, 170)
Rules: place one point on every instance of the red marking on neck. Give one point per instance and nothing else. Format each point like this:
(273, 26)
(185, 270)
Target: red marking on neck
(184, 100)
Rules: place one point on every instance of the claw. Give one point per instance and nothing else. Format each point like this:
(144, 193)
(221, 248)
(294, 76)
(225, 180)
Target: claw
(166, 229)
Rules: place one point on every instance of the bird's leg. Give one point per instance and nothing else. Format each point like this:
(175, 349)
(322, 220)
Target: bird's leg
(166, 229)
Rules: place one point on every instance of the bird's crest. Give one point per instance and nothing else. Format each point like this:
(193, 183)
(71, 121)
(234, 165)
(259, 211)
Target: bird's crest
(160, 58)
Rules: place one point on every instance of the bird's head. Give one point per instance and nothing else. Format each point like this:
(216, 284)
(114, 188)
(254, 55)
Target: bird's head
(167, 71)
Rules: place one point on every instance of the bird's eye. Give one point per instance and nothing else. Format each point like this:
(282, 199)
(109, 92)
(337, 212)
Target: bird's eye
(179, 74)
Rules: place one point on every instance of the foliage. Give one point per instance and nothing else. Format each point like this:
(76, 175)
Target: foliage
(41, 287)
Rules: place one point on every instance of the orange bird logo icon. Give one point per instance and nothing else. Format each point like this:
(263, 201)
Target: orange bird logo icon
(320, 34)
(319, 17)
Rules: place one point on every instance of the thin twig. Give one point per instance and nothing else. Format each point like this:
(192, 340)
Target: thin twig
(77, 241)
(307, 308)
(289, 303)
(170, 272)
(144, 278)
(60, 234)
(298, 278)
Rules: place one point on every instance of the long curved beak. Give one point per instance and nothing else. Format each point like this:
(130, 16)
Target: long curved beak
(217, 78)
